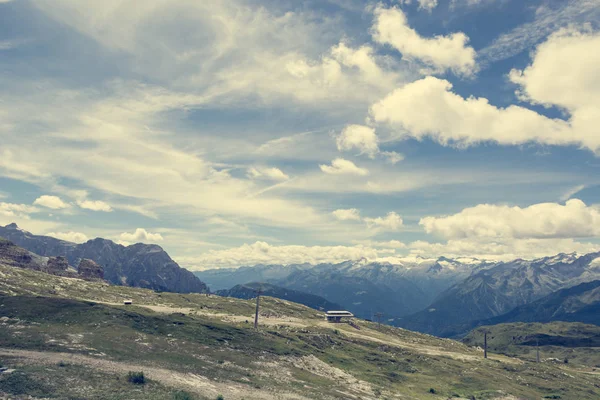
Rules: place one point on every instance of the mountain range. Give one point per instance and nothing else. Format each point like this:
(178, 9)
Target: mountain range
(361, 287)
(495, 291)
(579, 303)
(139, 265)
(443, 297)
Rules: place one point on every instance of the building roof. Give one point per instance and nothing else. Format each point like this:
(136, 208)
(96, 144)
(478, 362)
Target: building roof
(340, 314)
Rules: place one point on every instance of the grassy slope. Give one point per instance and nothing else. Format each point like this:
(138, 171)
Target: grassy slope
(75, 382)
(578, 343)
(294, 352)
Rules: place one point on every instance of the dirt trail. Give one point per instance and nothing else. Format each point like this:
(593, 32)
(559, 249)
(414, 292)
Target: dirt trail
(177, 380)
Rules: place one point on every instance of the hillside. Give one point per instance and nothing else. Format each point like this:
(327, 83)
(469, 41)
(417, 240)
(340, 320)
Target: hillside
(249, 290)
(559, 341)
(139, 265)
(498, 290)
(70, 338)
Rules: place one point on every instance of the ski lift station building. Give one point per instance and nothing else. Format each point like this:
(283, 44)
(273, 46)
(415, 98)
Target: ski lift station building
(337, 316)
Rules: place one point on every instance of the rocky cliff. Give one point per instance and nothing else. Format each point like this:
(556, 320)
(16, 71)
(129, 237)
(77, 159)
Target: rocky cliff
(90, 270)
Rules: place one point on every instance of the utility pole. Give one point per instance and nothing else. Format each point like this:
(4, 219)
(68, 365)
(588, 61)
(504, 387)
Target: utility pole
(537, 351)
(378, 316)
(258, 293)
(485, 333)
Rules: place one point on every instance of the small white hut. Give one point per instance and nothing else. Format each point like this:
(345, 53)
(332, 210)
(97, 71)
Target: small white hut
(337, 316)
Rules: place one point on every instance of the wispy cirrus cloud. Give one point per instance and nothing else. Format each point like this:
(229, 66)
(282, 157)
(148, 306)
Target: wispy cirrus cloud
(547, 21)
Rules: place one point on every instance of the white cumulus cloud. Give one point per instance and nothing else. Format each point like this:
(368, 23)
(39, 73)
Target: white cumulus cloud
(571, 58)
(365, 140)
(75, 237)
(544, 220)
(391, 222)
(139, 236)
(16, 210)
(340, 166)
(441, 52)
(429, 108)
(351, 214)
(52, 202)
(95, 205)
(503, 249)
(265, 253)
(358, 137)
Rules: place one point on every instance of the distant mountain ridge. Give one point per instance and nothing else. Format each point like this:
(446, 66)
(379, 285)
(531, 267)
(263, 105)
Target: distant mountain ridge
(139, 265)
(579, 303)
(249, 291)
(500, 289)
(361, 286)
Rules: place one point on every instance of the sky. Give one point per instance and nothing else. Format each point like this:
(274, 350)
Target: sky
(238, 132)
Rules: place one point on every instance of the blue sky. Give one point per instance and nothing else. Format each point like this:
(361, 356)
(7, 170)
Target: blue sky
(261, 131)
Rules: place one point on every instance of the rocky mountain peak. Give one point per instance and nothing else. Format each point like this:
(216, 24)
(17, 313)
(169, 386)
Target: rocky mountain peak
(140, 265)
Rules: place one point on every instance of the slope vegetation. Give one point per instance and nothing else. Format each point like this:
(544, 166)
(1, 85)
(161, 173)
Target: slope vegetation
(559, 342)
(205, 345)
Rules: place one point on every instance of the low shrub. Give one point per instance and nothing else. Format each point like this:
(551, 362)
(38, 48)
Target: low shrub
(137, 378)
(181, 395)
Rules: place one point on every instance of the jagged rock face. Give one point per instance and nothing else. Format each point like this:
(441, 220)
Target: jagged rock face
(60, 266)
(57, 265)
(89, 270)
(140, 265)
